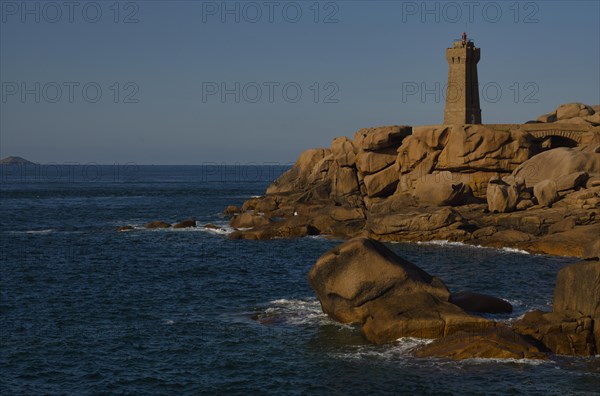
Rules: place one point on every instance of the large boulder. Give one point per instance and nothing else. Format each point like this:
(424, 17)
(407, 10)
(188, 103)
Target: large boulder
(550, 117)
(413, 152)
(362, 281)
(572, 110)
(298, 177)
(564, 333)
(343, 151)
(259, 204)
(248, 220)
(576, 242)
(556, 163)
(441, 189)
(479, 147)
(361, 270)
(578, 289)
(573, 326)
(501, 196)
(413, 221)
(571, 181)
(381, 137)
(546, 192)
(368, 162)
(344, 182)
(592, 250)
(382, 183)
(494, 343)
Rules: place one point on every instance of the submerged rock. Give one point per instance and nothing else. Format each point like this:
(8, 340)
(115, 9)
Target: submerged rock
(546, 192)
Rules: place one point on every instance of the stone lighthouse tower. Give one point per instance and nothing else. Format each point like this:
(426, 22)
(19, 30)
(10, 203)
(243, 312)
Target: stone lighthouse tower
(462, 92)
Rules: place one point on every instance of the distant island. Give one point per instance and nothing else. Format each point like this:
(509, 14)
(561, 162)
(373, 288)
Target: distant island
(15, 161)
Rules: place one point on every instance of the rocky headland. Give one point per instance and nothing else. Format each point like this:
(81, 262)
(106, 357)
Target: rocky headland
(532, 186)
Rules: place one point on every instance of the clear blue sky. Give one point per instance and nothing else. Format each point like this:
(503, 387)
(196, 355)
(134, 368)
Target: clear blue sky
(174, 57)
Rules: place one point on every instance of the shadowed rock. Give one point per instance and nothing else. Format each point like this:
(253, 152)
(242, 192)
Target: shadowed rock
(477, 302)
(440, 189)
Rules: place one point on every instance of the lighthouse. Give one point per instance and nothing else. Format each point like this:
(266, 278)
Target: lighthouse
(462, 91)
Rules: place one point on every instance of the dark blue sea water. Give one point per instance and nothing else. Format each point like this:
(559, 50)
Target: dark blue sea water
(86, 310)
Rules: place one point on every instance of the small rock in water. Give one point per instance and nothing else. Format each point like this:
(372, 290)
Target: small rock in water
(157, 224)
(189, 223)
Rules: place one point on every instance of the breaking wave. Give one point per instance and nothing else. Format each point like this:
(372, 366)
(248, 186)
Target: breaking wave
(442, 242)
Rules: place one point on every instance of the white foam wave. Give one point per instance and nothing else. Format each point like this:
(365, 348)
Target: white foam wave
(33, 232)
(399, 351)
(514, 250)
(533, 362)
(316, 237)
(298, 312)
(443, 242)
(223, 229)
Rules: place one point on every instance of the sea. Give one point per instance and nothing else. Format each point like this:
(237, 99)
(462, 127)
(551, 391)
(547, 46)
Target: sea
(85, 309)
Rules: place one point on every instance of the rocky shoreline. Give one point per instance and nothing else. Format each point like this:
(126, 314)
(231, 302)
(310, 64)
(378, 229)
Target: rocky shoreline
(533, 186)
(392, 298)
